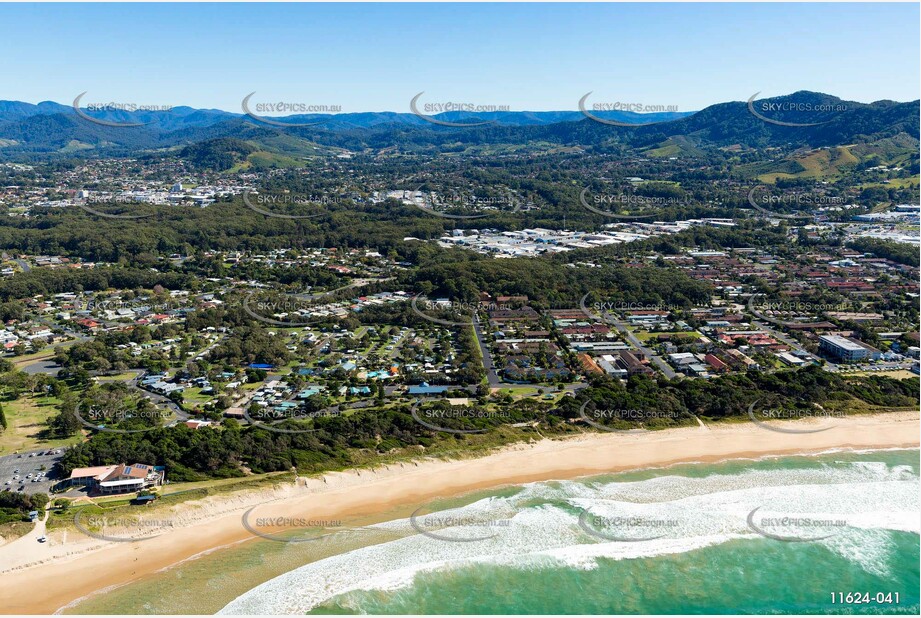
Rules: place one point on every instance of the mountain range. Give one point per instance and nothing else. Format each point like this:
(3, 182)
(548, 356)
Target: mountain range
(50, 130)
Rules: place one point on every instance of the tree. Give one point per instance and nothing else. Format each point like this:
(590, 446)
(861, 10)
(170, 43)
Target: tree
(64, 424)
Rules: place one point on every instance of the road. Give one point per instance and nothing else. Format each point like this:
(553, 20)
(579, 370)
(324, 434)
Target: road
(491, 376)
(161, 402)
(397, 345)
(793, 343)
(209, 347)
(357, 283)
(42, 366)
(26, 550)
(652, 356)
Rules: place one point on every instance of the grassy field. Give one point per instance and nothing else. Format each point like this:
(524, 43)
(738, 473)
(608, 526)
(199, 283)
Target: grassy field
(26, 418)
(645, 336)
(899, 183)
(26, 359)
(825, 164)
(902, 374)
(461, 447)
(12, 530)
(171, 494)
(193, 396)
(674, 147)
(121, 377)
(525, 391)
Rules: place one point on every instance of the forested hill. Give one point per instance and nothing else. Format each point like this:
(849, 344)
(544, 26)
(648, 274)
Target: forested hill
(800, 119)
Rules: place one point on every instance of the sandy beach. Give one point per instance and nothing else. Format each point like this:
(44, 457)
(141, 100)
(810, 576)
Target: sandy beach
(42, 578)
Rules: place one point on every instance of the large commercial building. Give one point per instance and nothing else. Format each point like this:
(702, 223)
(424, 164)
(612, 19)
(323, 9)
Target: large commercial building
(117, 479)
(847, 350)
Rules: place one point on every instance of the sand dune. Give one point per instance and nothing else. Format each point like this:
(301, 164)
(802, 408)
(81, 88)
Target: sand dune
(42, 578)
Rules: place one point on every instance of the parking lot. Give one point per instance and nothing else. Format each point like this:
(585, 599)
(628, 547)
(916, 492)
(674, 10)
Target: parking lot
(29, 465)
(876, 367)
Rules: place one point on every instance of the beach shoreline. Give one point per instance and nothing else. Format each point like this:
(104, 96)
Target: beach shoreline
(69, 569)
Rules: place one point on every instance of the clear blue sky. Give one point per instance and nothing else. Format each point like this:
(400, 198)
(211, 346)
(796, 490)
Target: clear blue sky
(375, 57)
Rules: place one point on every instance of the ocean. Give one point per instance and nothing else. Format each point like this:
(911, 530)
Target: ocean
(830, 533)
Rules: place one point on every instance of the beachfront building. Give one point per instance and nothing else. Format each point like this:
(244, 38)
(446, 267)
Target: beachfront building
(117, 479)
(846, 349)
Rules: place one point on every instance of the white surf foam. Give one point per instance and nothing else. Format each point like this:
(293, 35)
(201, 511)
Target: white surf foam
(543, 527)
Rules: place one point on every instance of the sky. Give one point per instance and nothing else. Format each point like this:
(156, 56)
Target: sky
(376, 57)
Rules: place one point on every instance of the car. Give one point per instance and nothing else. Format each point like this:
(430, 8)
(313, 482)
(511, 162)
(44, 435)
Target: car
(42, 539)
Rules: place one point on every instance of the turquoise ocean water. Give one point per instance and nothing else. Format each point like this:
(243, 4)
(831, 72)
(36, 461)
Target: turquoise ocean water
(777, 535)
(702, 557)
